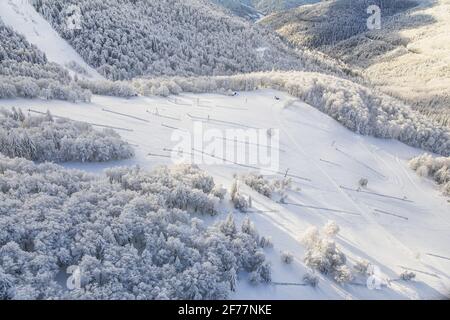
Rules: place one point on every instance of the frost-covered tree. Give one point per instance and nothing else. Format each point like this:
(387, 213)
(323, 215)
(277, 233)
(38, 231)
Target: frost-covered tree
(185, 187)
(407, 276)
(265, 242)
(287, 257)
(437, 168)
(219, 191)
(331, 229)
(268, 188)
(42, 138)
(109, 88)
(363, 182)
(239, 201)
(119, 233)
(362, 267)
(323, 255)
(311, 279)
(258, 183)
(79, 69)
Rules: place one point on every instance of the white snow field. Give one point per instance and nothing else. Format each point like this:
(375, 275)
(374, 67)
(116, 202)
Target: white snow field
(400, 222)
(23, 18)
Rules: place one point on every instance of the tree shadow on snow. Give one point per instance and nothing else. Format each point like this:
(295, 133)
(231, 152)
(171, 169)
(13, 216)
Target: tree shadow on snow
(420, 288)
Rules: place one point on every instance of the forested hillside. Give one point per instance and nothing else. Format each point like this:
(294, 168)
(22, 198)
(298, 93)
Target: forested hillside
(43, 138)
(407, 57)
(271, 6)
(241, 8)
(26, 72)
(253, 9)
(328, 22)
(124, 39)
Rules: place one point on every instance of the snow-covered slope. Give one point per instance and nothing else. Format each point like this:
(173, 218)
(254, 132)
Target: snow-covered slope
(122, 40)
(23, 18)
(407, 57)
(400, 221)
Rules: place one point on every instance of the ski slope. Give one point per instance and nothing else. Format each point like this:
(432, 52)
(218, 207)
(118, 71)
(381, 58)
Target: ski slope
(402, 221)
(23, 18)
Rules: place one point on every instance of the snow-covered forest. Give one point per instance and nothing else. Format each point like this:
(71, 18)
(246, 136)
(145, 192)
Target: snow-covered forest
(120, 230)
(124, 39)
(224, 149)
(109, 88)
(241, 8)
(43, 138)
(271, 6)
(437, 168)
(26, 72)
(254, 9)
(360, 109)
(329, 22)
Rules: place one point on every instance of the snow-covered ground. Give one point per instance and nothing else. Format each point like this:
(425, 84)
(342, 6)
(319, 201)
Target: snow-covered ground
(23, 18)
(395, 232)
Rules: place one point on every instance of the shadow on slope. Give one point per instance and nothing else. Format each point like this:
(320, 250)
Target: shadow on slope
(391, 58)
(328, 23)
(364, 49)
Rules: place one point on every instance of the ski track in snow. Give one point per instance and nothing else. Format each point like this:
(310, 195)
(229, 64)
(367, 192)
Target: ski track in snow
(362, 208)
(386, 241)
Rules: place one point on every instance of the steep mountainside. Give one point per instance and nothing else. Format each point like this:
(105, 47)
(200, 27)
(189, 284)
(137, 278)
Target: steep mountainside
(26, 72)
(124, 39)
(254, 9)
(407, 58)
(329, 22)
(271, 6)
(23, 19)
(241, 8)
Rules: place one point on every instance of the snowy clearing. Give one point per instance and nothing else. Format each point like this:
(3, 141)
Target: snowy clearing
(400, 221)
